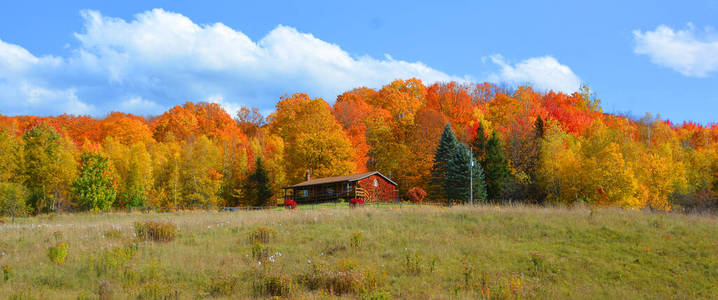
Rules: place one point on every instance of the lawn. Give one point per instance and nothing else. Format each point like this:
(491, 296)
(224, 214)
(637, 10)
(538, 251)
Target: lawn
(372, 252)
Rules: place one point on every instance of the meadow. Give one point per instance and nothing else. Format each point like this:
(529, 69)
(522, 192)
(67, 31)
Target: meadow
(388, 252)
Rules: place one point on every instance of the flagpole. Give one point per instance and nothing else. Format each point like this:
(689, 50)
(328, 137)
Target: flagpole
(471, 176)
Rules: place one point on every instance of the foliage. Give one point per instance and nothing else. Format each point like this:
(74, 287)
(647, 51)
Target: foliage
(58, 252)
(356, 202)
(497, 169)
(290, 204)
(416, 195)
(12, 199)
(261, 235)
(155, 231)
(94, 188)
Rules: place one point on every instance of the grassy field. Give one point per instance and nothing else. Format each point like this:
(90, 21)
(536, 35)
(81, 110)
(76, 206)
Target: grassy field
(377, 253)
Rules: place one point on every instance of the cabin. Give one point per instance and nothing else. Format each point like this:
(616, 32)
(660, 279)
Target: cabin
(370, 186)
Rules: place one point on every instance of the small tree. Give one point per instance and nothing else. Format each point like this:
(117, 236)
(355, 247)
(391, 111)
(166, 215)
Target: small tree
(94, 187)
(465, 177)
(498, 174)
(258, 185)
(12, 199)
(439, 171)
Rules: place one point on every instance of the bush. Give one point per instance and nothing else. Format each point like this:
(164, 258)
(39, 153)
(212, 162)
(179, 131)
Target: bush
(261, 235)
(356, 201)
(412, 263)
(344, 280)
(58, 253)
(155, 231)
(260, 253)
(273, 284)
(290, 204)
(416, 195)
(112, 261)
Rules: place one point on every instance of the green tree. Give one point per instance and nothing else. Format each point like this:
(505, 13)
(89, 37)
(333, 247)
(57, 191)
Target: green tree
(498, 174)
(94, 187)
(259, 189)
(463, 171)
(438, 186)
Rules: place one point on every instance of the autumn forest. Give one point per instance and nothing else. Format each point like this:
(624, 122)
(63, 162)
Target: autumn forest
(550, 148)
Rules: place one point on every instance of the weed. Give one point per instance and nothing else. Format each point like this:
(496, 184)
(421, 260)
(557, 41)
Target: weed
(58, 253)
(105, 290)
(261, 235)
(6, 272)
(260, 253)
(225, 285)
(356, 240)
(58, 236)
(344, 280)
(112, 234)
(273, 284)
(412, 263)
(113, 260)
(155, 231)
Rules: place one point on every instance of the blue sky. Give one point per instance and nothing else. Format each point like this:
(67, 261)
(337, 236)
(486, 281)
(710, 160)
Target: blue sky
(92, 57)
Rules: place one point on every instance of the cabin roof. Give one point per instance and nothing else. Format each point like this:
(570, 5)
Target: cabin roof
(336, 179)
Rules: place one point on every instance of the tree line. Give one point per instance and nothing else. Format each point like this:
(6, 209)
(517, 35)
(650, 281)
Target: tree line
(525, 145)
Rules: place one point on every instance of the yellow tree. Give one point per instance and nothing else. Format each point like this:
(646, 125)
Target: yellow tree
(199, 173)
(313, 138)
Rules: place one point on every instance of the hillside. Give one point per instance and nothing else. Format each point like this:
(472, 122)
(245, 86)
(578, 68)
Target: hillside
(390, 251)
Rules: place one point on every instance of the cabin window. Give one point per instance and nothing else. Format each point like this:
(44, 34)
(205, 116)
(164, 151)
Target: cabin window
(305, 193)
(376, 183)
(330, 191)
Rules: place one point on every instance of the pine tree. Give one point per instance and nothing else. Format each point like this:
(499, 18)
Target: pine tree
(259, 186)
(460, 171)
(94, 187)
(496, 165)
(439, 171)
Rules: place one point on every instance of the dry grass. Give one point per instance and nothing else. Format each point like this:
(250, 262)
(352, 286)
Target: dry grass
(408, 252)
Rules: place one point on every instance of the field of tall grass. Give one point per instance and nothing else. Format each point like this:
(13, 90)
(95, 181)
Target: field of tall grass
(371, 252)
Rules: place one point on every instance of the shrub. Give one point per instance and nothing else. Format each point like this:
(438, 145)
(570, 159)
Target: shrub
(356, 240)
(155, 231)
(225, 285)
(58, 253)
(273, 284)
(356, 201)
(344, 280)
(290, 204)
(6, 271)
(113, 260)
(261, 235)
(416, 195)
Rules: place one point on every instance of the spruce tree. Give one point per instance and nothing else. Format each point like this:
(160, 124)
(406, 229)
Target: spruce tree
(258, 185)
(497, 169)
(439, 171)
(460, 171)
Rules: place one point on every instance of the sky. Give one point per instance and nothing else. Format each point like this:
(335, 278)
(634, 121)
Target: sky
(143, 57)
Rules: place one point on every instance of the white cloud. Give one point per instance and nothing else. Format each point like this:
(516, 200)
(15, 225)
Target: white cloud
(160, 59)
(543, 72)
(689, 51)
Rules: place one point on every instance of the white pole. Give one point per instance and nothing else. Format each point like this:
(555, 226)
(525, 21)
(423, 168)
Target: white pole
(471, 176)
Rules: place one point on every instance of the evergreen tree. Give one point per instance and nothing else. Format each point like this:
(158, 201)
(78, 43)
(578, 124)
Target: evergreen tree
(439, 171)
(478, 143)
(460, 171)
(94, 187)
(498, 174)
(259, 186)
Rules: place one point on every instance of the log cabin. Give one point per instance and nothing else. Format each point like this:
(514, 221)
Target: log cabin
(370, 186)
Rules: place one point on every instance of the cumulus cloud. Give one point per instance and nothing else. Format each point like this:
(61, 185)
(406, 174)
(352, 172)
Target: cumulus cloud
(689, 51)
(543, 72)
(160, 59)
